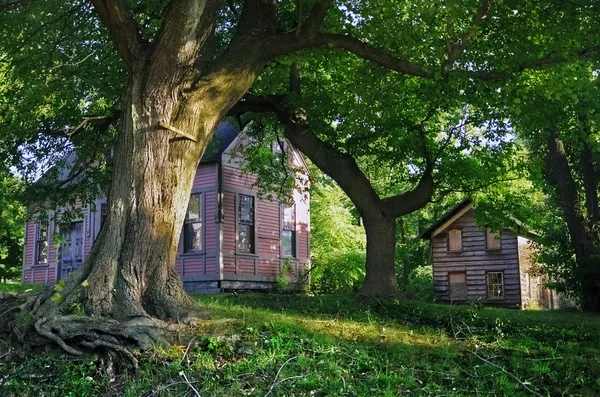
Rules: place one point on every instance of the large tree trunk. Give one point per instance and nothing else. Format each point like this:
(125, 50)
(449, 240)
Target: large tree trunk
(583, 239)
(380, 279)
(128, 283)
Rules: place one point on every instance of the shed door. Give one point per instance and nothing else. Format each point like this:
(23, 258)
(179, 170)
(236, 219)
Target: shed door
(457, 286)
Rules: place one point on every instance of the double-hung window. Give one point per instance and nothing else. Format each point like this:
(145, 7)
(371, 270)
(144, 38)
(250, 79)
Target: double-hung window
(245, 224)
(192, 231)
(41, 244)
(495, 285)
(288, 230)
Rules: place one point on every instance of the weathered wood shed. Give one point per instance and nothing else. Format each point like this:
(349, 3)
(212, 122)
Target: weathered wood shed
(471, 263)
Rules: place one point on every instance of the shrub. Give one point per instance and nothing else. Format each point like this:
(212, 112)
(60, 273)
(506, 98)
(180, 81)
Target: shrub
(338, 273)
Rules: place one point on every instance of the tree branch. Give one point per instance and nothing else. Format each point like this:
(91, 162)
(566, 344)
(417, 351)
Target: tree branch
(317, 16)
(412, 200)
(455, 50)
(121, 26)
(287, 43)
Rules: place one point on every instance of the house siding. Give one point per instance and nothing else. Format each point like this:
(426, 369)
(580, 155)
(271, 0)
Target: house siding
(218, 265)
(267, 263)
(203, 265)
(476, 261)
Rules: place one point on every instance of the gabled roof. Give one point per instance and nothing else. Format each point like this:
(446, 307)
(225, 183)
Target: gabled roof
(71, 163)
(450, 217)
(459, 210)
(224, 135)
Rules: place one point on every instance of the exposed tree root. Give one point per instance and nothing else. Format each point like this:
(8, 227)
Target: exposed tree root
(80, 334)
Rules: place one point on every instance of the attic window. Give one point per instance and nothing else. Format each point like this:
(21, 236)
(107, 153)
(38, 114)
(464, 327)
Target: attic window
(495, 285)
(493, 240)
(454, 240)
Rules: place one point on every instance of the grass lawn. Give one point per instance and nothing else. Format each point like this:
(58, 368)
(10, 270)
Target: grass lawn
(278, 345)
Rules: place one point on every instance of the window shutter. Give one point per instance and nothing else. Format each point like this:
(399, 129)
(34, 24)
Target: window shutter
(493, 240)
(455, 240)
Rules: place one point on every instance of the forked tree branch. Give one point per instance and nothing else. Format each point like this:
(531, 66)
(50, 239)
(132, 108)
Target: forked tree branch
(317, 16)
(122, 28)
(187, 26)
(456, 49)
(412, 200)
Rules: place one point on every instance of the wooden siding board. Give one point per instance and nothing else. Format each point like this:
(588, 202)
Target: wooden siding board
(211, 265)
(206, 176)
(210, 212)
(192, 265)
(228, 223)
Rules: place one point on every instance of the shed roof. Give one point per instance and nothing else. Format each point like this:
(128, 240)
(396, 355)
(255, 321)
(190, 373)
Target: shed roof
(465, 205)
(454, 211)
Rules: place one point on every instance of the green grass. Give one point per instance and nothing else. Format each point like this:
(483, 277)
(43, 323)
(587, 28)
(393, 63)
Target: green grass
(17, 288)
(340, 346)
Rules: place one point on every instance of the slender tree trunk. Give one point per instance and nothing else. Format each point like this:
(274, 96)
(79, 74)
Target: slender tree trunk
(590, 183)
(582, 239)
(380, 277)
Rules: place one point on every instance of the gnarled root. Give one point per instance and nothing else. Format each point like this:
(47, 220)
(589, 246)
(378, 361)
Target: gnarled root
(79, 334)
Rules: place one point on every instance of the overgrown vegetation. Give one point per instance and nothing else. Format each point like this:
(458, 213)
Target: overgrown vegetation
(12, 218)
(278, 345)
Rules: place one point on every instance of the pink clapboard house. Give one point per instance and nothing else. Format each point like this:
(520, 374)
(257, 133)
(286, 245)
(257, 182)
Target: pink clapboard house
(231, 238)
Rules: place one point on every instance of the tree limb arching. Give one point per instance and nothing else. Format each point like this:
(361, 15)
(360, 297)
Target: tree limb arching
(122, 28)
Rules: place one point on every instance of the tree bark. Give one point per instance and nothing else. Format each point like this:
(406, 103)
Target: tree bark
(582, 238)
(590, 183)
(380, 279)
(379, 215)
(128, 282)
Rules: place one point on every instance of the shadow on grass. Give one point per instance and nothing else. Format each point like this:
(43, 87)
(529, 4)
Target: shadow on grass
(422, 316)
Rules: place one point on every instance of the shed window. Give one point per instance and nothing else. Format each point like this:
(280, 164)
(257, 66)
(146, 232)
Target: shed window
(288, 230)
(455, 240)
(193, 236)
(41, 244)
(495, 285)
(493, 240)
(245, 224)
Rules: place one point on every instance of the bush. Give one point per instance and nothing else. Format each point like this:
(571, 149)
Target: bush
(339, 273)
(420, 286)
